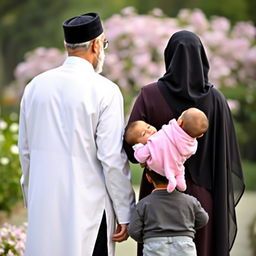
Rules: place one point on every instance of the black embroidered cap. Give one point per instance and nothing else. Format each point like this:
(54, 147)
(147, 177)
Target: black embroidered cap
(82, 28)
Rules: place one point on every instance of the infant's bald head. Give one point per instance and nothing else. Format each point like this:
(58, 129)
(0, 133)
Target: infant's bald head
(194, 122)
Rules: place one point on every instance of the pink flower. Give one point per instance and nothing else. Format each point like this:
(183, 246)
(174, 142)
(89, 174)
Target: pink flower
(184, 14)
(220, 24)
(198, 21)
(250, 63)
(157, 12)
(239, 47)
(214, 39)
(244, 30)
(128, 11)
(36, 62)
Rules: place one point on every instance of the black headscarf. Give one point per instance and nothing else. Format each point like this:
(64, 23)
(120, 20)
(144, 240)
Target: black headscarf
(186, 78)
(216, 164)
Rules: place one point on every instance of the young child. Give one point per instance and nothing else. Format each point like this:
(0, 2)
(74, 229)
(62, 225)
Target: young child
(166, 222)
(166, 151)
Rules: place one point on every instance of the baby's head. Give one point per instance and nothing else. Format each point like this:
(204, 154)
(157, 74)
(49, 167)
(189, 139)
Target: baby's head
(138, 132)
(194, 122)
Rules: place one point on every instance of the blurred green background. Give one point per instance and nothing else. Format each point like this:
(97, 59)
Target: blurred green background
(27, 24)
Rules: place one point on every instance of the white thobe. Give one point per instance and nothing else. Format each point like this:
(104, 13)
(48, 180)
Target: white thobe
(73, 164)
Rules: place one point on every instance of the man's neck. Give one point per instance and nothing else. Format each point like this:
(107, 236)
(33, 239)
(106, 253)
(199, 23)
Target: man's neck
(81, 54)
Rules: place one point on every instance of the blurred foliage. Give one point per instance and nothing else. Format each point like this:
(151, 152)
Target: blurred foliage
(249, 169)
(25, 25)
(252, 235)
(10, 192)
(233, 10)
(136, 172)
(244, 118)
(28, 24)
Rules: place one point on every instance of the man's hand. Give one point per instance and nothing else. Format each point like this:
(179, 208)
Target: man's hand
(121, 233)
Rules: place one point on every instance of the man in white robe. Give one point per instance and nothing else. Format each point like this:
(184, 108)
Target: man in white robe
(76, 178)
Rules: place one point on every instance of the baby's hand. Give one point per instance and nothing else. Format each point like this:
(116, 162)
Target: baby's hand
(144, 165)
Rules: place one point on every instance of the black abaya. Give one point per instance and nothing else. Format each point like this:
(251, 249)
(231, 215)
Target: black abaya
(214, 172)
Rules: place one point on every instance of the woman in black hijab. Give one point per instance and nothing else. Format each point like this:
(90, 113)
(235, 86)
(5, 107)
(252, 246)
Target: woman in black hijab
(214, 173)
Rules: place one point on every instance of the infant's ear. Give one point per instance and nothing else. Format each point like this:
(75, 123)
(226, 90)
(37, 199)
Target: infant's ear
(180, 122)
(200, 136)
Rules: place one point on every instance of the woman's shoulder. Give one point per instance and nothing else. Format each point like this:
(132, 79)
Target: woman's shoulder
(218, 94)
(150, 87)
(213, 99)
(151, 91)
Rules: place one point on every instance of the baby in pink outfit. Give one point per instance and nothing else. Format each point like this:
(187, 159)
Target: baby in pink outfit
(166, 150)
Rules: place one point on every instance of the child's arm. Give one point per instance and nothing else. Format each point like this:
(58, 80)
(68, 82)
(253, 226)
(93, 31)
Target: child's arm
(135, 227)
(201, 216)
(141, 152)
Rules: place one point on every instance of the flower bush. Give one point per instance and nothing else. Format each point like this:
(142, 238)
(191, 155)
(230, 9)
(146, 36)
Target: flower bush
(10, 191)
(12, 240)
(137, 43)
(37, 61)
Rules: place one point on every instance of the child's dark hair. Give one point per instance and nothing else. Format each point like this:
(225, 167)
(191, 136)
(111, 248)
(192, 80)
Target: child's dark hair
(157, 178)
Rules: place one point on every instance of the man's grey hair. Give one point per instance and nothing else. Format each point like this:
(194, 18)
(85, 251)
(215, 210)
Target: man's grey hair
(84, 45)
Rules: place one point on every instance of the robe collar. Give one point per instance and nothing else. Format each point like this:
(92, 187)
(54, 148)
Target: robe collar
(78, 63)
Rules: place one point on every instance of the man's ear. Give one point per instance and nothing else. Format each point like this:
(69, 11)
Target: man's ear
(95, 46)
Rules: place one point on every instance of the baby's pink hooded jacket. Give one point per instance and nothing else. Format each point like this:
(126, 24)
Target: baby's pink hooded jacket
(165, 153)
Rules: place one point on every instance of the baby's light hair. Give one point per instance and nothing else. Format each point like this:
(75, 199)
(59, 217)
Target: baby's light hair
(195, 122)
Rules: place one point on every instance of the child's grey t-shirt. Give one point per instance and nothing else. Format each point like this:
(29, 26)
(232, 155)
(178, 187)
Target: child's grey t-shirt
(163, 214)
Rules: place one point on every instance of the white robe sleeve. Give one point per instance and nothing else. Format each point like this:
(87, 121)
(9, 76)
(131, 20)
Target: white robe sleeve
(24, 153)
(109, 140)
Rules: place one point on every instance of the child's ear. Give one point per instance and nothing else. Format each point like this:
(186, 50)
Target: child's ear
(200, 136)
(149, 178)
